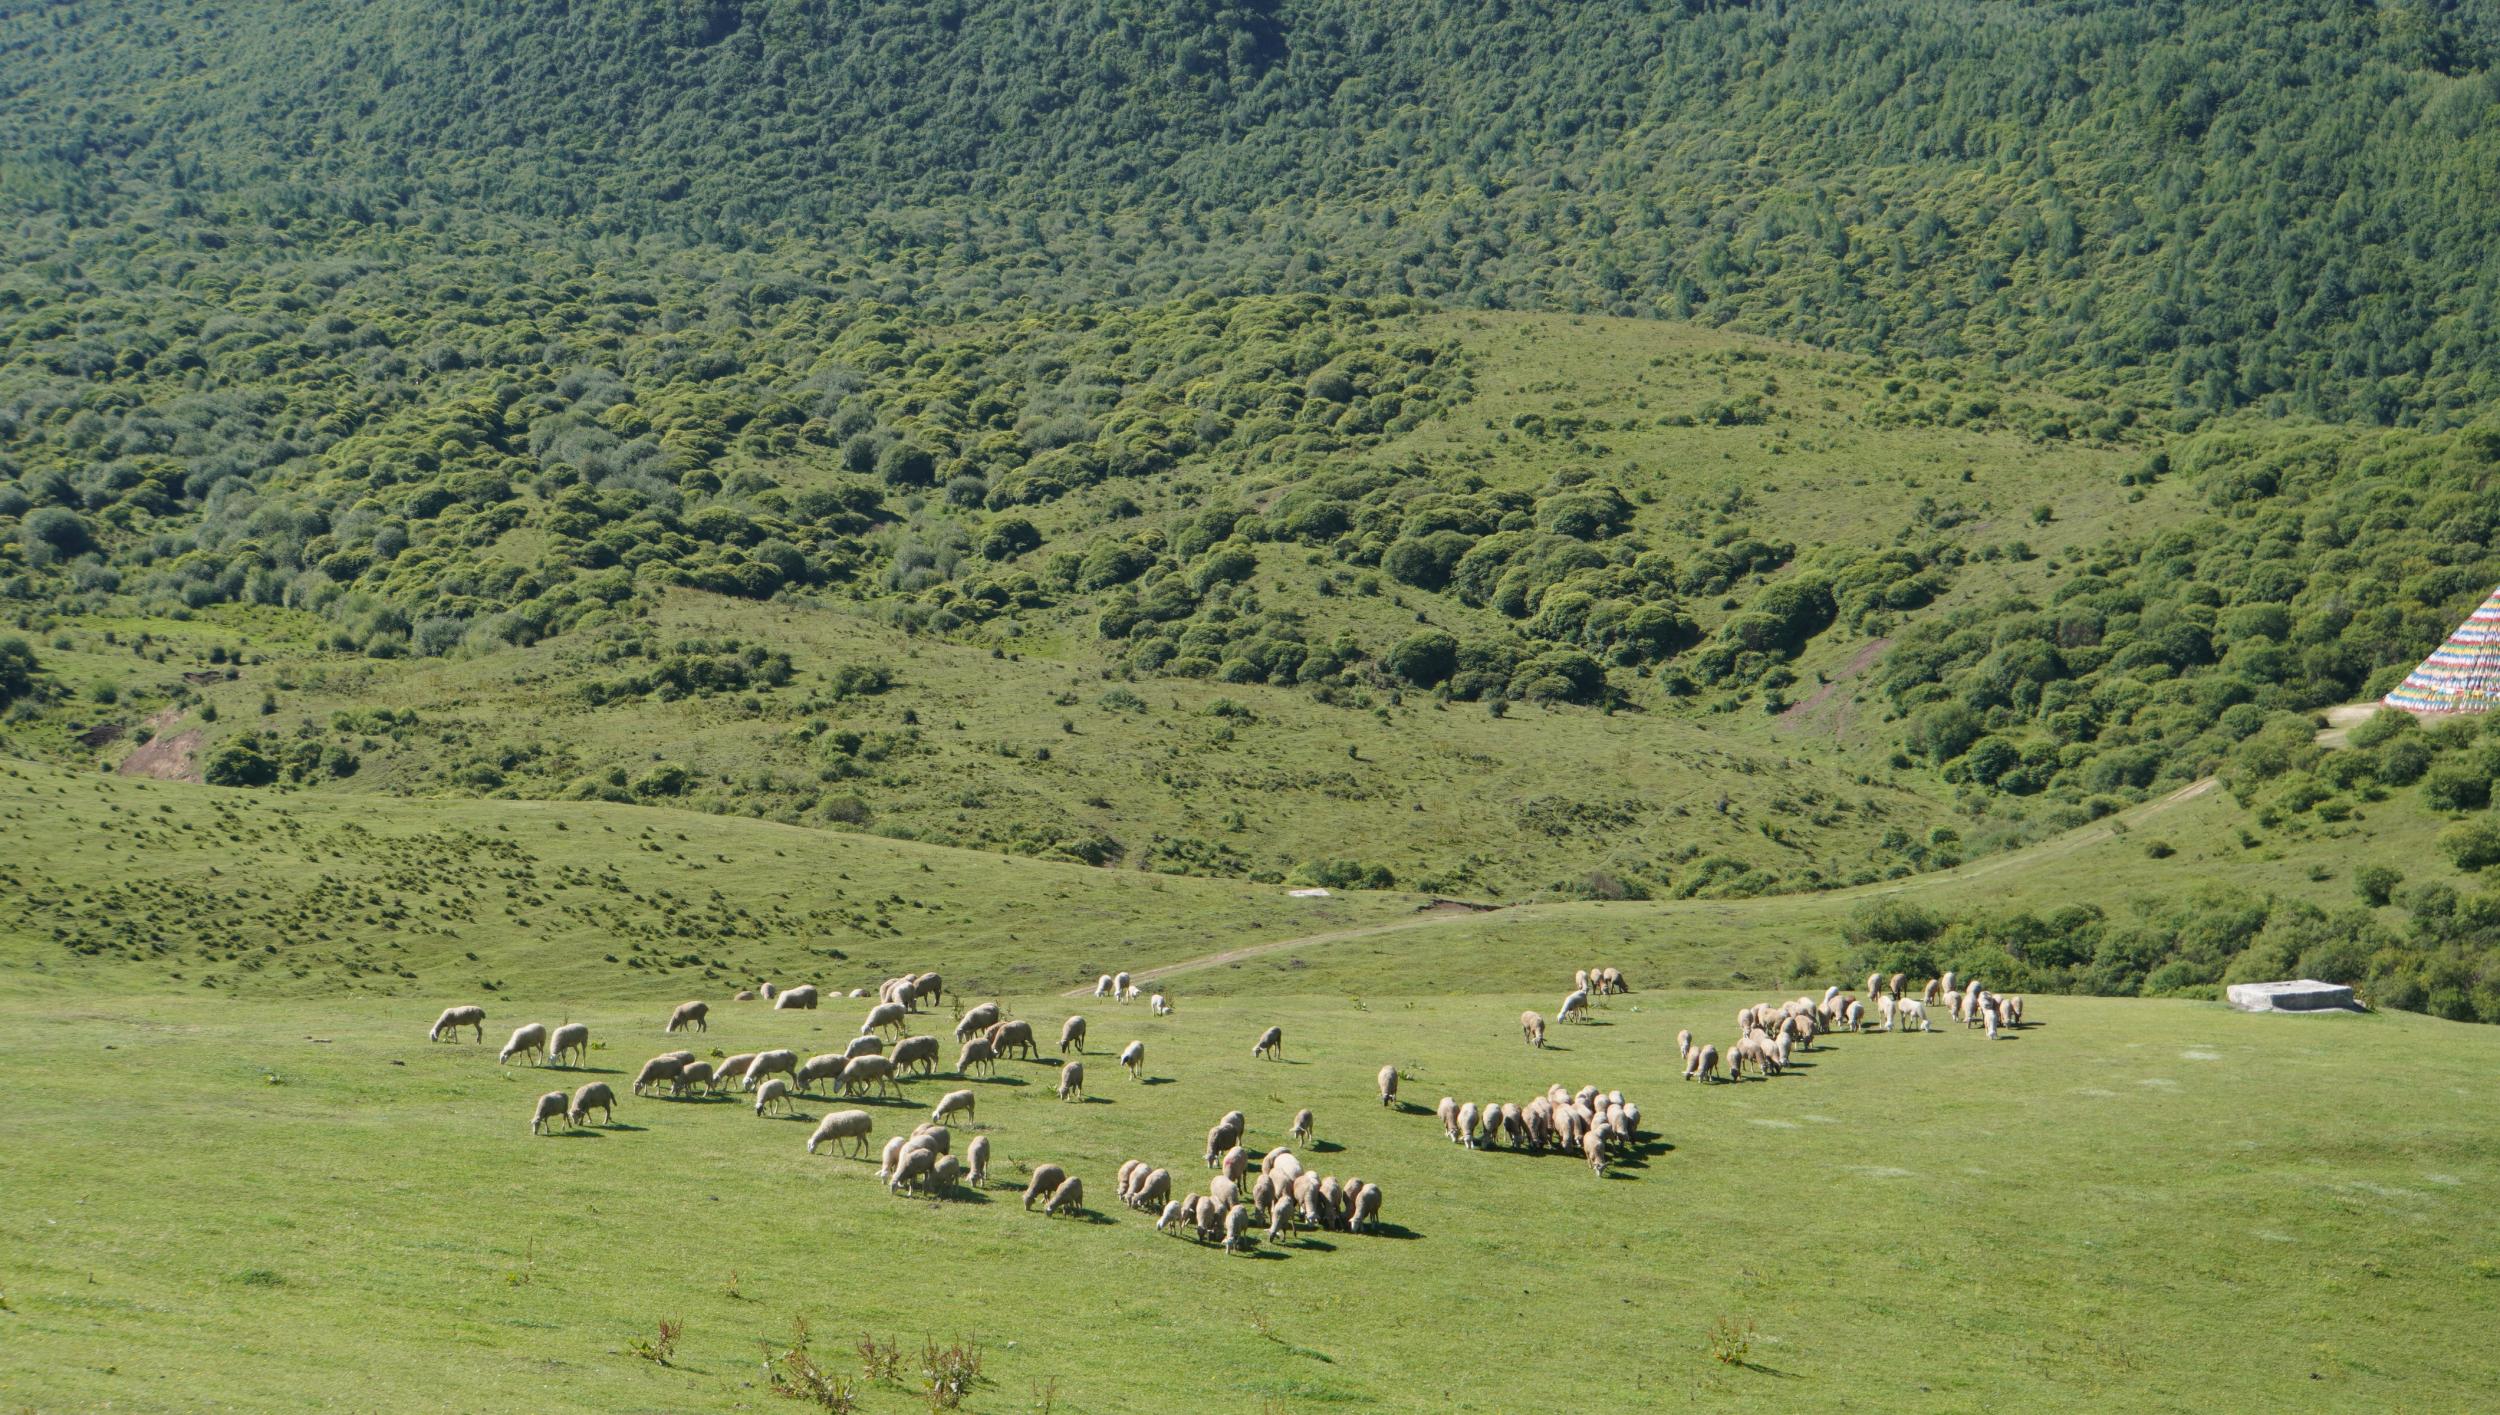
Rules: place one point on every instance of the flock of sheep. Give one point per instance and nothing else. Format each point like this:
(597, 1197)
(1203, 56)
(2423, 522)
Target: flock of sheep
(1232, 1210)
(1286, 1196)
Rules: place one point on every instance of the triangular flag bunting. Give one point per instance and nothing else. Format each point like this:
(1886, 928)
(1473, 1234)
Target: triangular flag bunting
(2464, 674)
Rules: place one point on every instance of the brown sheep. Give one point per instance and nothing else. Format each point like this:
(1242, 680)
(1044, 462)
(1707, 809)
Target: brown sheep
(1006, 1037)
(690, 1014)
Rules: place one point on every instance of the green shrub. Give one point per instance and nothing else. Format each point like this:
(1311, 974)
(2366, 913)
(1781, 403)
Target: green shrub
(2373, 884)
(2456, 788)
(2471, 845)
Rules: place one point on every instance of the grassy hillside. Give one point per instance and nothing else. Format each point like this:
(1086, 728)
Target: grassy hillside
(2135, 1203)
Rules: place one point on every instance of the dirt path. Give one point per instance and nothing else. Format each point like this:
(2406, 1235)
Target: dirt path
(2340, 721)
(2059, 847)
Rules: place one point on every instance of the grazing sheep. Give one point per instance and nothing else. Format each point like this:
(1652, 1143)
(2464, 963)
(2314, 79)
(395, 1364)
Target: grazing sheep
(798, 999)
(1532, 1027)
(779, 1061)
(1988, 1015)
(1467, 1125)
(1129, 1172)
(1120, 988)
(1219, 1140)
(929, 987)
(932, 1136)
(843, 1125)
(1913, 1010)
(596, 1094)
(733, 1070)
(772, 1092)
(1288, 1168)
(1235, 1163)
(691, 1075)
(1008, 1037)
(1240, 1234)
(1705, 1064)
(683, 1058)
(1593, 1149)
(1133, 1056)
(1154, 1188)
(976, 1020)
(1068, 1198)
(946, 1174)
(1886, 1007)
(1271, 1044)
(911, 1170)
(656, 1070)
(1874, 983)
(1161, 1005)
(1072, 1080)
(921, 1052)
(1448, 1111)
(953, 1102)
(455, 1018)
(743, 995)
(1580, 980)
(1574, 1008)
(1172, 1213)
(1301, 1131)
(977, 1155)
(862, 1072)
(1389, 1084)
(767, 991)
(1366, 1209)
(827, 1067)
(1072, 1034)
(1854, 1015)
(892, 1156)
(976, 1053)
(1102, 986)
(883, 1016)
(550, 1107)
(2012, 1007)
(572, 1039)
(690, 1014)
(527, 1039)
(1894, 983)
(1684, 1043)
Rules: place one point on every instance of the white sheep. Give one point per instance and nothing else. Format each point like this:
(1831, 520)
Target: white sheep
(1574, 1008)
(780, 1061)
(1467, 1125)
(1301, 1131)
(528, 1039)
(455, 1018)
(551, 1106)
(976, 1020)
(1913, 1010)
(1532, 1027)
(1102, 988)
(1045, 1182)
(862, 1072)
(976, 1052)
(977, 1155)
(773, 1092)
(1072, 1034)
(1448, 1111)
(594, 1096)
(954, 1102)
(1171, 1215)
(1271, 1044)
(1072, 1080)
(690, 1014)
(843, 1125)
(693, 1074)
(1013, 1036)
(1068, 1198)
(1120, 989)
(571, 1039)
(798, 999)
(1133, 1056)
(656, 1070)
(1389, 1084)
(911, 1170)
(863, 1046)
(892, 1156)
(1161, 1005)
(733, 1070)
(921, 1052)
(883, 1016)
(825, 1067)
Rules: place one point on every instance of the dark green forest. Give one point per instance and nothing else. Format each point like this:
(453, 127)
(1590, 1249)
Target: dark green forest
(461, 326)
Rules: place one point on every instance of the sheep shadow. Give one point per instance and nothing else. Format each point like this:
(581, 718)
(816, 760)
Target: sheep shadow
(992, 1080)
(966, 1194)
(1089, 1217)
(621, 1125)
(1156, 1080)
(700, 1100)
(1395, 1232)
(1325, 1147)
(1316, 1245)
(585, 1070)
(578, 1133)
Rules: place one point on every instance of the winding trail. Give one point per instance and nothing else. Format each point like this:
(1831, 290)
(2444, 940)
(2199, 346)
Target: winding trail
(2056, 848)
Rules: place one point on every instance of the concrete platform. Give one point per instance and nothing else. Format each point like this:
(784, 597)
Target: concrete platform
(2306, 995)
